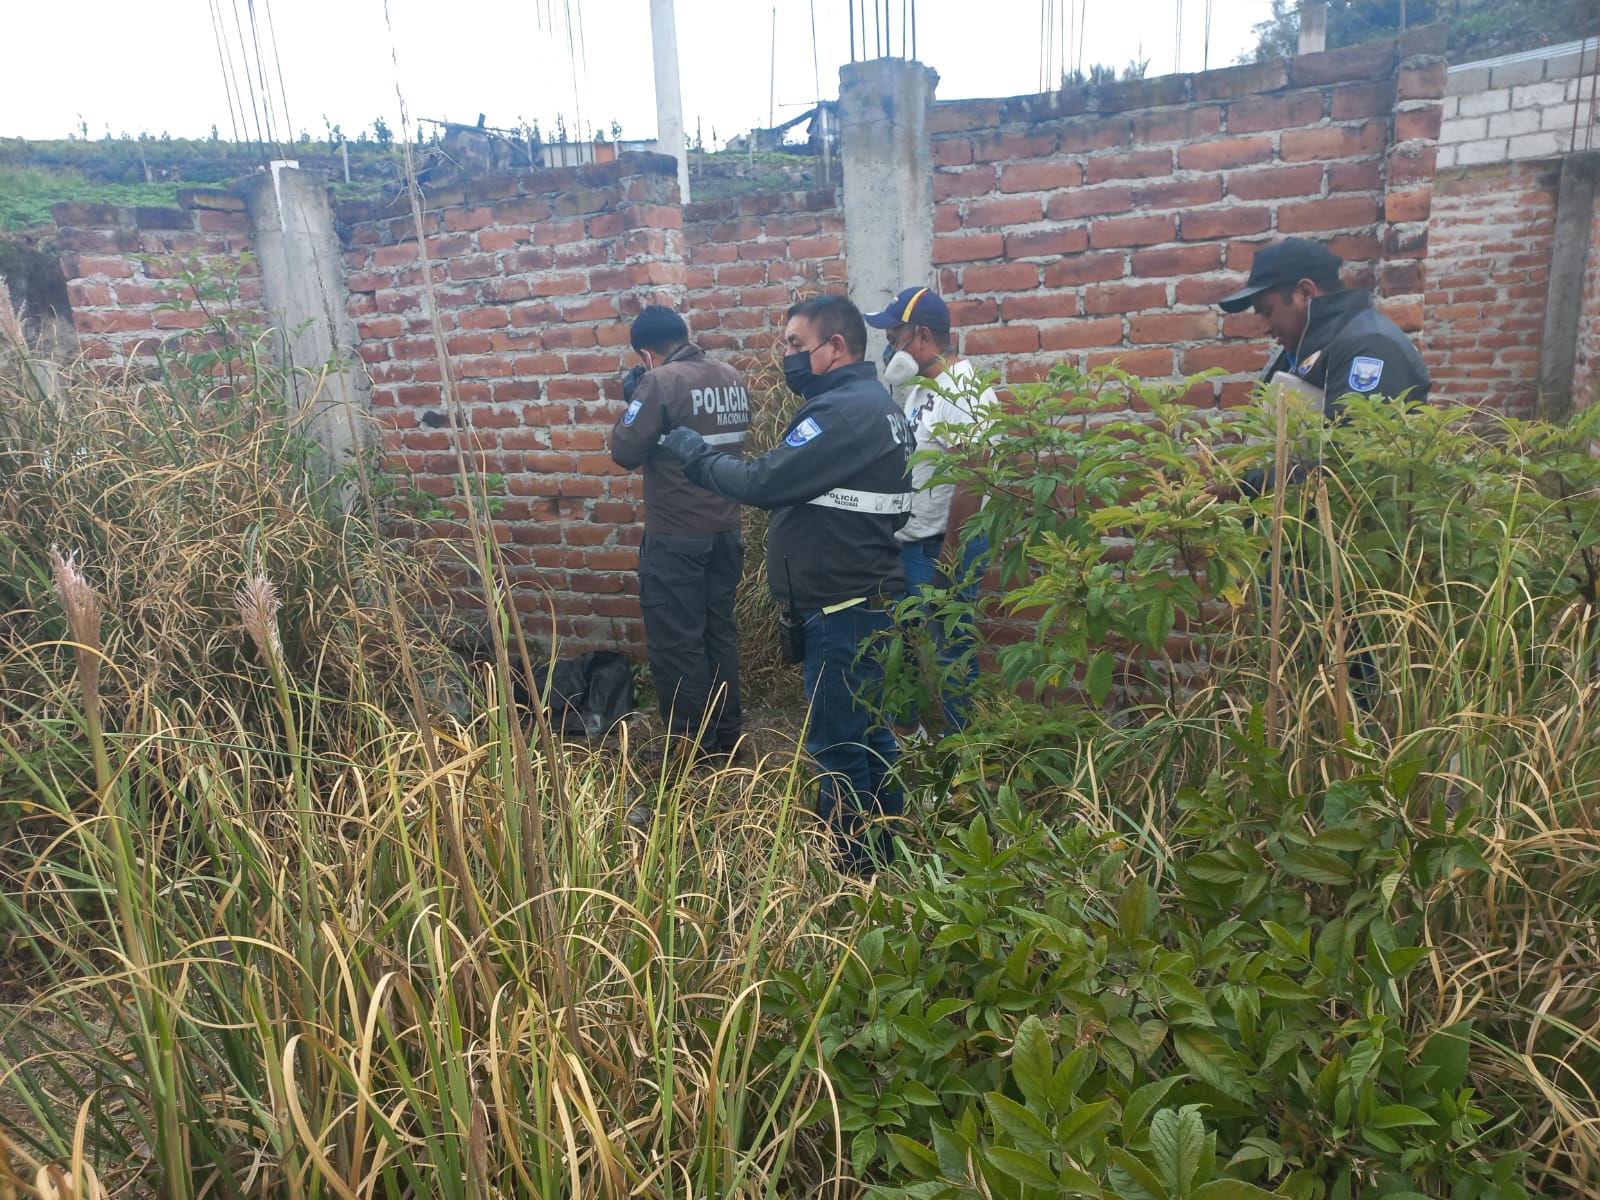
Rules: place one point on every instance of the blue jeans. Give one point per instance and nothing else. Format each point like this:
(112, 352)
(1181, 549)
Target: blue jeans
(850, 742)
(921, 560)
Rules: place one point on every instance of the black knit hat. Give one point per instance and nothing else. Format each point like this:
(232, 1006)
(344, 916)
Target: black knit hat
(656, 328)
(1284, 264)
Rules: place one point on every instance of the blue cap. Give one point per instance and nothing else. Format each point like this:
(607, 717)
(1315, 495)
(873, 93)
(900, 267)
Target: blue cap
(914, 306)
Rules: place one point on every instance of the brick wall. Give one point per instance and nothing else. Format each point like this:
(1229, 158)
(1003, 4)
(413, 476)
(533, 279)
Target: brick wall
(1103, 224)
(1522, 106)
(122, 266)
(534, 278)
(1586, 372)
(750, 257)
(1493, 229)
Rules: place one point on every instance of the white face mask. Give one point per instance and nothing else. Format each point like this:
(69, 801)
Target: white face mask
(901, 369)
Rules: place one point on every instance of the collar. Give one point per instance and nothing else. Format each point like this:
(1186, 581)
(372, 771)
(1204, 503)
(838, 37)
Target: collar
(686, 351)
(1325, 317)
(840, 376)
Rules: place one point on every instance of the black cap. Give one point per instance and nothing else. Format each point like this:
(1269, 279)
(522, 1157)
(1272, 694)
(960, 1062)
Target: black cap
(656, 328)
(914, 306)
(1284, 264)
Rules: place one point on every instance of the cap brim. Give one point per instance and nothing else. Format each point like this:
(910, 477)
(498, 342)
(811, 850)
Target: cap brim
(887, 319)
(1242, 299)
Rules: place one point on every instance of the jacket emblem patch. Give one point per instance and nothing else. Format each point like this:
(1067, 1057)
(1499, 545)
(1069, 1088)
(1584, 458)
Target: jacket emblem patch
(802, 433)
(1365, 373)
(633, 411)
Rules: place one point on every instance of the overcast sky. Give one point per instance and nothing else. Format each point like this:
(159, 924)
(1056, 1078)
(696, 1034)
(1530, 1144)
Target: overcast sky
(157, 68)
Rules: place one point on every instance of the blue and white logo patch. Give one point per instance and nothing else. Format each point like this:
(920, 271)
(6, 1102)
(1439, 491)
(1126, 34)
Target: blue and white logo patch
(1365, 373)
(802, 433)
(633, 411)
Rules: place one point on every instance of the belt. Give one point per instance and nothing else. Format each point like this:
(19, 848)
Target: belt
(864, 502)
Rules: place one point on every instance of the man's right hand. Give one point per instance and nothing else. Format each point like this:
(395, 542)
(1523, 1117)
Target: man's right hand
(630, 381)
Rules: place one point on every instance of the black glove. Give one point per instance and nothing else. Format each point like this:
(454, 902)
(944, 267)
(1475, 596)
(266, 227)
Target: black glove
(682, 443)
(630, 381)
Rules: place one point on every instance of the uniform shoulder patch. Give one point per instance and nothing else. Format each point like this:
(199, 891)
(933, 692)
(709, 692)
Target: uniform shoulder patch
(633, 411)
(802, 433)
(1365, 373)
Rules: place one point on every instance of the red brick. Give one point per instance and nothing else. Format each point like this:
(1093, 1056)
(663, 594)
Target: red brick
(1418, 123)
(1036, 177)
(814, 247)
(88, 295)
(1010, 210)
(394, 256)
(116, 320)
(1089, 202)
(1177, 260)
(1007, 277)
(1224, 153)
(959, 116)
(1270, 114)
(1373, 60)
(1124, 298)
(970, 181)
(1344, 212)
(1131, 231)
(1272, 183)
(946, 218)
(1206, 290)
(1081, 335)
(1000, 339)
(1176, 125)
(1412, 164)
(1039, 306)
(458, 220)
(1004, 147)
(1140, 164)
(1360, 176)
(1162, 328)
(1207, 223)
(1408, 206)
(1047, 242)
(764, 251)
(1307, 145)
(484, 318)
(1235, 358)
(1106, 133)
(1356, 247)
(1252, 79)
(1179, 193)
(973, 312)
(1147, 364)
(1361, 100)
(1421, 83)
(558, 285)
(967, 247)
(1086, 268)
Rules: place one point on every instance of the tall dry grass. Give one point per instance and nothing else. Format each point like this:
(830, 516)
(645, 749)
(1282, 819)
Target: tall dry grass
(282, 928)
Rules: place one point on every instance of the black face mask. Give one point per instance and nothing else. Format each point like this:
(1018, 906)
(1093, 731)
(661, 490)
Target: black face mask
(797, 372)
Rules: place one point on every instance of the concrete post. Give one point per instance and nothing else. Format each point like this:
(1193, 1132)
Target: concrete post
(670, 137)
(1313, 26)
(1569, 252)
(304, 294)
(887, 163)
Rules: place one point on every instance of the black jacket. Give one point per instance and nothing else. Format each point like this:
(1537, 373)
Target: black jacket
(1349, 346)
(849, 437)
(708, 397)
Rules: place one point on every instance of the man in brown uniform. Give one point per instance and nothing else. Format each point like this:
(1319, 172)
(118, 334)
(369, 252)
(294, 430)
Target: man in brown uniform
(693, 554)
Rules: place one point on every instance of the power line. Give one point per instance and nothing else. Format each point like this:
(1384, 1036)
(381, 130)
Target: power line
(283, 92)
(244, 56)
(216, 33)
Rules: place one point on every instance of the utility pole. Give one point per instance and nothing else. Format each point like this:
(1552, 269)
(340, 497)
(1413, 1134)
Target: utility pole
(1313, 26)
(669, 96)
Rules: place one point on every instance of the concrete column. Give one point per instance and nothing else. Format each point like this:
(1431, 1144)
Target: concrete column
(304, 294)
(670, 137)
(887, 163)
(1313, 26)
(1569, 253)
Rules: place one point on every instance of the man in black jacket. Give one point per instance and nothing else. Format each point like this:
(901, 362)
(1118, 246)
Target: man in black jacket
(1333, 339)
(838, 487)
(692, 555)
